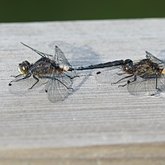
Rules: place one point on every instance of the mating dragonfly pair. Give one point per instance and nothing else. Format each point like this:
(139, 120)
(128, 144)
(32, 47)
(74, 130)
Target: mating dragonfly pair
(146, 76)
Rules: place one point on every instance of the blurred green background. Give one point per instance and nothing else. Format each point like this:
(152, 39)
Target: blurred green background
(52, 10)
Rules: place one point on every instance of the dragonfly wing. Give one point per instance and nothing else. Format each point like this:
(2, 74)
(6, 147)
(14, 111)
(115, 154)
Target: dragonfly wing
(60, 58)
(37, 51)
(161, 56)
(59, 87)
(142, 87)
(109, 75)
(153, 58)
(161, 83)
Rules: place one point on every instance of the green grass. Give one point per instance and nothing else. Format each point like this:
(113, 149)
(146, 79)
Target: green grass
(51, 10)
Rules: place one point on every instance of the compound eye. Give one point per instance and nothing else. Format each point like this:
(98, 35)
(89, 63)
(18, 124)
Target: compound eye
(22, 69)
(128, 64)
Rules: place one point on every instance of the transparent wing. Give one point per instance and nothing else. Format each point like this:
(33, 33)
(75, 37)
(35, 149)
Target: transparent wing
(60, 58)
(37, 51)
(142, 87)
(161, 83)
(78, 54)
(59, 87)
(153, 58)
(109, 75)
(161, 56)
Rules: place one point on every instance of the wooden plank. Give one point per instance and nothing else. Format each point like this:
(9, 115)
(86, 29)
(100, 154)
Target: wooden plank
(149, 154)
(96, 114)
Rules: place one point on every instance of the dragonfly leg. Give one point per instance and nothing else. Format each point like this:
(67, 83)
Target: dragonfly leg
(27, 76)
(134, 79)
(71, 76)
(121, 79)
(120, 74)
(122, 85)
(156, 84)
(37, 80)
(128, 82)
(16, 76)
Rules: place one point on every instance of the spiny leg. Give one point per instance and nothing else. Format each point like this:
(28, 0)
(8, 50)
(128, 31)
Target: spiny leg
(129, 82)
(122, 79)
(16, 76)
(120, 74)
(70, 76)
(35, 82)
(27, 76)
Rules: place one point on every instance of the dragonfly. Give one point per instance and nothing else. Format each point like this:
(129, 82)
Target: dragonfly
(54, 72)
(145, 77)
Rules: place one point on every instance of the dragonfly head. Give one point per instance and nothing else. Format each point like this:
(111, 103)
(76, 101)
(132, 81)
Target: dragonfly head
(128, 65)
(23, 67)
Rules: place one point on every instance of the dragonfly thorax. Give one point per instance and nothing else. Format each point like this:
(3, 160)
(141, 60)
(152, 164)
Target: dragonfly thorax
(147, 69)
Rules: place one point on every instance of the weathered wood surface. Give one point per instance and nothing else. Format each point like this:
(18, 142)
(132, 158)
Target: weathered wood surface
(94, 114)
(148, 154)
